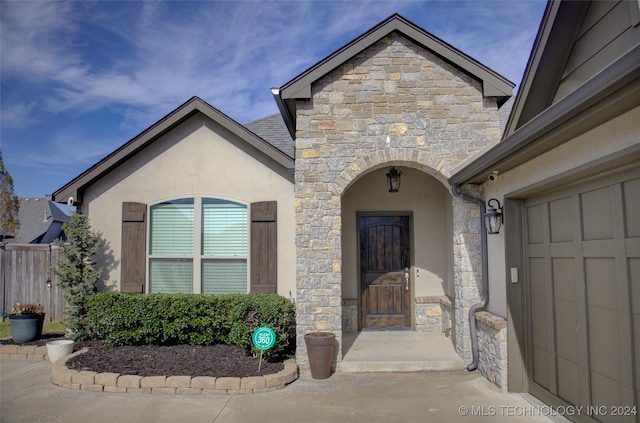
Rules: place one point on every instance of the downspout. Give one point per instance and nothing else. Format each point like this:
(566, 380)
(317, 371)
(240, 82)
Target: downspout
(484, 300)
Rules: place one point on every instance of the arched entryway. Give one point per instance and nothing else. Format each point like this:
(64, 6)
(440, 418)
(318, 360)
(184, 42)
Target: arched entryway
(397, 246)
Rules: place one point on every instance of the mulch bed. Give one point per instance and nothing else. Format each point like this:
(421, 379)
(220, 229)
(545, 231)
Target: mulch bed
(155, 360)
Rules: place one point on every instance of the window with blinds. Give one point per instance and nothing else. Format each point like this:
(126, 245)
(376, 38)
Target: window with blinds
(224, 228)
(172, 226)
(171, 275)
(198, 245)
(224, 244)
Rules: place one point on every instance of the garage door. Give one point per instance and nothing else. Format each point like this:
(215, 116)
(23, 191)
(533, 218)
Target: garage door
(583, 259)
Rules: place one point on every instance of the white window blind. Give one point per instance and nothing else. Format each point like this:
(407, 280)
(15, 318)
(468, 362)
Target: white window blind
(170, 275)
(224, 228)
(224, 276)
(172, 228)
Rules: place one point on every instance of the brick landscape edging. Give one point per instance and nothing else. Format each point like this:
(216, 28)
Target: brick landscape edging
(26, 352)
(174, 385)
(177, 385)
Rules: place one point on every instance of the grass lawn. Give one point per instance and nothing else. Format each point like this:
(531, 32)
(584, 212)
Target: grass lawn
(5, 329)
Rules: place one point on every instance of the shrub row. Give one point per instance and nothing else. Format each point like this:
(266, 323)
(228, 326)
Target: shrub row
(195, 319)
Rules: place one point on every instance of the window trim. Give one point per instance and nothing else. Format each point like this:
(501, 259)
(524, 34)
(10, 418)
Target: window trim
(197, 257)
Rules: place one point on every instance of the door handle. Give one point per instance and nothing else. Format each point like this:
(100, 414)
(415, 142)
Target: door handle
(406, 278)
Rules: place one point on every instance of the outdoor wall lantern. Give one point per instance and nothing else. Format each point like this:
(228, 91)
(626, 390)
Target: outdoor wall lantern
(494, 216)
(393, 178)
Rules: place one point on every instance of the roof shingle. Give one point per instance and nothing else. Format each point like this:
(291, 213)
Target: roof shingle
(273, 130)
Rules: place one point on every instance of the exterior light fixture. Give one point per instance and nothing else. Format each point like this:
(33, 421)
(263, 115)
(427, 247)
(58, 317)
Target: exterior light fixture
(393, 179)
(493, 216)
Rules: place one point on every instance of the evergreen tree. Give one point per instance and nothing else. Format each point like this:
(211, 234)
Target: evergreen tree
(9, 203)
(77, 273)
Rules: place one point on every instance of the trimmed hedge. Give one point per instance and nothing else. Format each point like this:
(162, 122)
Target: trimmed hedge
(196, 319)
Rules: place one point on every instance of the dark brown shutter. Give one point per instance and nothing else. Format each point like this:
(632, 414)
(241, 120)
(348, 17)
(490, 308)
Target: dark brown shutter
(264, 247)
(133, 262)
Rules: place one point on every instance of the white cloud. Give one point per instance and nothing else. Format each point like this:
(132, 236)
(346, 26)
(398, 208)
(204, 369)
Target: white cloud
(66, 149)
(35, 36)
(228, 53)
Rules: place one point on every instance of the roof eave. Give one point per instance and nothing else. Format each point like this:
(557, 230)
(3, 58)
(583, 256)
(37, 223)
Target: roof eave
(74, 189)
(240, 131)
(285, 111)
(558, 29)
(493, 84)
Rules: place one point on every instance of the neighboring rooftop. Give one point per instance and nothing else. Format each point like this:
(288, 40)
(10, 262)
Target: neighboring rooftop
(41, 221)
(505, 111)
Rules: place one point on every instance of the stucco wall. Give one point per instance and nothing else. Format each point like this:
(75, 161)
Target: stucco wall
(198, 158)
(566, 163)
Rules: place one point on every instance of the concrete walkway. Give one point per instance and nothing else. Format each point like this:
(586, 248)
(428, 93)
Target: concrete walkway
(26, 395)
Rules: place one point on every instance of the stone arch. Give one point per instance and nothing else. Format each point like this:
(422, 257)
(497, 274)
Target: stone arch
(408, 157)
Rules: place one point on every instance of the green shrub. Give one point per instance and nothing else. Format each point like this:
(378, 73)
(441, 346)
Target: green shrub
(195, 319)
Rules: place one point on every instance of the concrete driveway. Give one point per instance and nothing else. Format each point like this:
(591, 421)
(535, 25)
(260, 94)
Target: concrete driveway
(454, 396)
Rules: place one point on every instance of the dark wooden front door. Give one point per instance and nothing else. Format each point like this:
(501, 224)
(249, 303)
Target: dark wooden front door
(384, 260)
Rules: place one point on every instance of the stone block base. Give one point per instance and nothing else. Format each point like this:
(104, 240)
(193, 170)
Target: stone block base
(434, 314)
(492, 347)
(24, 352)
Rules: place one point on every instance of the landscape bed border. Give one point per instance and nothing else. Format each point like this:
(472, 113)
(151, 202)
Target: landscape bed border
(84, 380)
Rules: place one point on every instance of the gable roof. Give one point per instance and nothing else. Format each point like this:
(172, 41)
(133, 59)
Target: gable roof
(74, 189)
(538, 122)
(40, 221)
(493, 84)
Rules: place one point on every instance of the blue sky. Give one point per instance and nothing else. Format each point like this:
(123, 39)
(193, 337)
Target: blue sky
(79, 79)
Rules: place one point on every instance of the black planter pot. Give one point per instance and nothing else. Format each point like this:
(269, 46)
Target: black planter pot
(26, 327)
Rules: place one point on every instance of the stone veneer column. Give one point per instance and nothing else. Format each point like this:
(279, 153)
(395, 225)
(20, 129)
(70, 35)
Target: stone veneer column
(467, 275)
(319, 261)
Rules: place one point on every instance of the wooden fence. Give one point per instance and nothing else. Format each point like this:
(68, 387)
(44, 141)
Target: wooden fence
(27, 276)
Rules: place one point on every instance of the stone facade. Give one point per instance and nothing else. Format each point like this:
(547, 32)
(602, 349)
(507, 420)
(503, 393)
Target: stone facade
(492, 347)
(467, 251)
(428, 315)
(434, 314)
(398, 104)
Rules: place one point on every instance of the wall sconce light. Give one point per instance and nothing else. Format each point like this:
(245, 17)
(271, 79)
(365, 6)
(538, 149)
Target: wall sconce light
(393, 179)
(494, 217)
